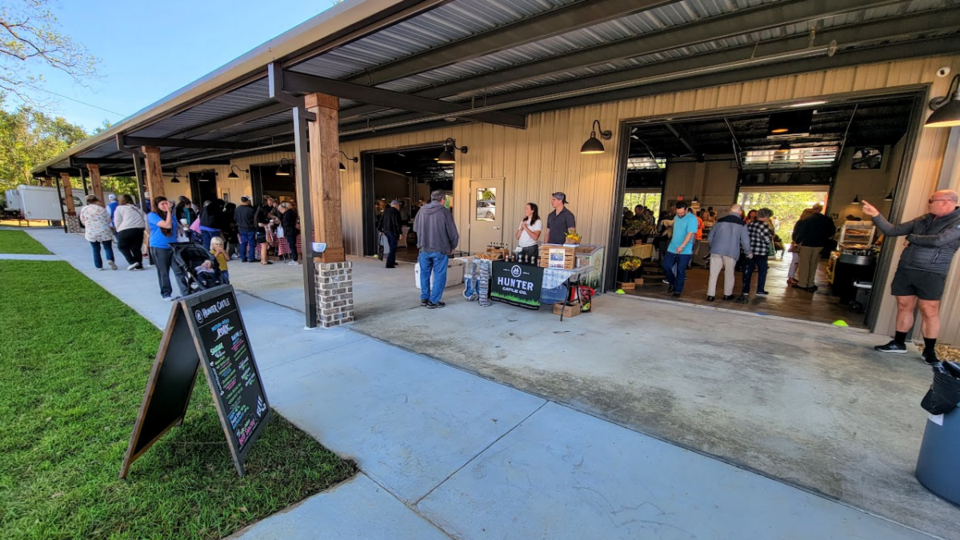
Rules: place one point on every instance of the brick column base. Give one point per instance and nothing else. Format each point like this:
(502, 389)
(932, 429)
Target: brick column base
(73, 224)
(334, 294)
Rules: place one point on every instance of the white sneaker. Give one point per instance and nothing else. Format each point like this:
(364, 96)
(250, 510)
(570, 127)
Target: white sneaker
(168, 298)
(292, 263)
(112, 264)
(99, 269)
(132, 266)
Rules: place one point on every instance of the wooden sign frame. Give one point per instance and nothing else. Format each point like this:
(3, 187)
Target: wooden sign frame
(179, 357)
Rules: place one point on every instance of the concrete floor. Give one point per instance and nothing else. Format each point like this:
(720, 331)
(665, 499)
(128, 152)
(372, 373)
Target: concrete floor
(782, 301)
(446, 454)
(805, 403)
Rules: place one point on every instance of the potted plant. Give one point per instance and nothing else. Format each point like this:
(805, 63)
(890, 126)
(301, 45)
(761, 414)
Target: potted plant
(573, 239)
(629, 268)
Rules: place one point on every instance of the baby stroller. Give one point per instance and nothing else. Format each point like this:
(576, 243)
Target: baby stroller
(187, 256)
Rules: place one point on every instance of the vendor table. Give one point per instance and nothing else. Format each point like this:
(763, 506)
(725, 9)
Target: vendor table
(523, 284)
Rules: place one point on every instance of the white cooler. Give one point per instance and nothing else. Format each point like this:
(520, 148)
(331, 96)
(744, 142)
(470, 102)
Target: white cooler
(455, 269)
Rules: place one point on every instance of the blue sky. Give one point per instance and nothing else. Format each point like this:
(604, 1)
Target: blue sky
(149, 49)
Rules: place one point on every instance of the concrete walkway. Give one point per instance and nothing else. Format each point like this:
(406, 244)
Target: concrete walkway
(444, 453)
(27, 257)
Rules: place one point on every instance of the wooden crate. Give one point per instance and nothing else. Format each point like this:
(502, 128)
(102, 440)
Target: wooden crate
(638, 281)
(569, 256)
(568, 311)
(626, 285)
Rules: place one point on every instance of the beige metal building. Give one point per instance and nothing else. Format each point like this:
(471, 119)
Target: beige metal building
(520, 84)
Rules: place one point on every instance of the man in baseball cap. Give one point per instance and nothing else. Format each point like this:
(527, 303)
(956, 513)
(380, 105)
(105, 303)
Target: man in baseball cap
(560, 221)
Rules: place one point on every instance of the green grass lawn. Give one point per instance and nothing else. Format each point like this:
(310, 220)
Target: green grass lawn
(20, 242)
(74, 362)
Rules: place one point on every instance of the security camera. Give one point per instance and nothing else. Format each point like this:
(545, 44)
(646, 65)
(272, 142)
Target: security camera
(943, 72)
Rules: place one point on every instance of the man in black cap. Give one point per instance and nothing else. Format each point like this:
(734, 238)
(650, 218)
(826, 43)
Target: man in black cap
(244, 215)
(560, 220)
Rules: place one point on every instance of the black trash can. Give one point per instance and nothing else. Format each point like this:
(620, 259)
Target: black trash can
(937, 465)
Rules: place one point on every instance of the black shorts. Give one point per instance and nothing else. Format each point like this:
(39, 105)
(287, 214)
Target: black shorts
(923, 285)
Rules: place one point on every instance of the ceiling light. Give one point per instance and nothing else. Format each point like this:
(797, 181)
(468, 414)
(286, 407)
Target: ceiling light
(795, 123)
(593, 144)
(285, 166)
(946, 109)
(806, 104)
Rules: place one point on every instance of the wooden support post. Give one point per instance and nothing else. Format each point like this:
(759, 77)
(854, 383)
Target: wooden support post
(68, 194)
(325, 175)
(95, 184)
(154, 171)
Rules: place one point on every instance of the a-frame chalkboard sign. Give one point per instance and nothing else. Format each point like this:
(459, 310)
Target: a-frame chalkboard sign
(204, 329)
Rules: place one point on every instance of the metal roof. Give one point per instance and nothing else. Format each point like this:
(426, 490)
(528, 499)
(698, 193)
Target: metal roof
(509, 58)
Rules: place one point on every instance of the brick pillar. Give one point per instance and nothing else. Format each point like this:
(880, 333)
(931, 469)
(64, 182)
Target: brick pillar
(334, 293)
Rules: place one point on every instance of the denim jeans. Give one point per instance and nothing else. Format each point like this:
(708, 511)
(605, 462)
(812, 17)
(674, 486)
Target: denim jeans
(248, 245)
(225, 277)
(163, 260)
(292, 242)
(761, 264)
(392, 256)
(107, 247)
(208, 236)
(676, 277)
(433, 262)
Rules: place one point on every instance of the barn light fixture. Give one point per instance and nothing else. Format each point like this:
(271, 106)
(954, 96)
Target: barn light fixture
(856, 199)
(233, 175)
(285, 166)
(176, 178)
(353, 159)
(448, 157)
(593, 144)
(889, 196)
(946, 109)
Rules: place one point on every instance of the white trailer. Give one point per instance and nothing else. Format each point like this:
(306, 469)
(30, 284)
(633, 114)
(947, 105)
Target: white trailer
(44, 203)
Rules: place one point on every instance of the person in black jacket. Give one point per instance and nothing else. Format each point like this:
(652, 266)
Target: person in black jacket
(933, 240)
(391, 229)
(245, 216)
(211, 220)
(812, 234)
(289, 220)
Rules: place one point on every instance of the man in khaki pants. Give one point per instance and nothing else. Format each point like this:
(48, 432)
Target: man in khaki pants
(812, 234)
(727, 239)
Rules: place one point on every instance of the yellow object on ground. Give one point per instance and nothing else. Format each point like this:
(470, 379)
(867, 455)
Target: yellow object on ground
(840, 322)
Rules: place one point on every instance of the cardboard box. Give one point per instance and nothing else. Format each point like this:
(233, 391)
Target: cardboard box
(638, 281)
(455, 271)
(626, 285)
(568, 311)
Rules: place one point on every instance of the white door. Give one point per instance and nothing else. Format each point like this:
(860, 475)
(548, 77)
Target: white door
(486, 213)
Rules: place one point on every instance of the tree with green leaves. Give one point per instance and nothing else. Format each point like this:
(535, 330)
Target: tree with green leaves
(31, 40)
(29, 137)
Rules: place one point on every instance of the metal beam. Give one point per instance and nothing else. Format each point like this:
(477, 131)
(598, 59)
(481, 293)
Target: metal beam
(684, 137)
(185, 143)
(262, 133)
(234, 120)
(302, 172)
(306, 84)
(733, 24)
(734, 142)
(554, 22)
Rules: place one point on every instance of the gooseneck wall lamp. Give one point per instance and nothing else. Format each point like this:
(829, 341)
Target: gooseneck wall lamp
(353, 159)
(176, 178)
(448, 156)
(285, 166)
(946, 109)
(233, 172)
(593, 144)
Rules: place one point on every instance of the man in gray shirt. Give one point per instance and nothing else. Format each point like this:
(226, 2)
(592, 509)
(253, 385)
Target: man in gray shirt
(437, 237)
(560, 220)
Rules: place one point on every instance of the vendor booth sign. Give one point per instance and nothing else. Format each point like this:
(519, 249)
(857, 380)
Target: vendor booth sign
(516, 284)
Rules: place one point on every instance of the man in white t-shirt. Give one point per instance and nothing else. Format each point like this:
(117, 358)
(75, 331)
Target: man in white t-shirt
(529, 231)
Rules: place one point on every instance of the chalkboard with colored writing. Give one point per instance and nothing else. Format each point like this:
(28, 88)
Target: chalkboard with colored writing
(204, 329)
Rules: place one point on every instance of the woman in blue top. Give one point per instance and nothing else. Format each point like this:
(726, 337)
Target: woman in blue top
(163, 232)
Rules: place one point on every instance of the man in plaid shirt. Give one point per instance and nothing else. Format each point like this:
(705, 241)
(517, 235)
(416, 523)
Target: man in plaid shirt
(761, 237)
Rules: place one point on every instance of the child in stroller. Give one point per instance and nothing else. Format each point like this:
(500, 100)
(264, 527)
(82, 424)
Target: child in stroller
(200, 269)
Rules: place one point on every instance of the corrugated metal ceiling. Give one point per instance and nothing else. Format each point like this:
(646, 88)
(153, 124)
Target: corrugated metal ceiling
(460, 19)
